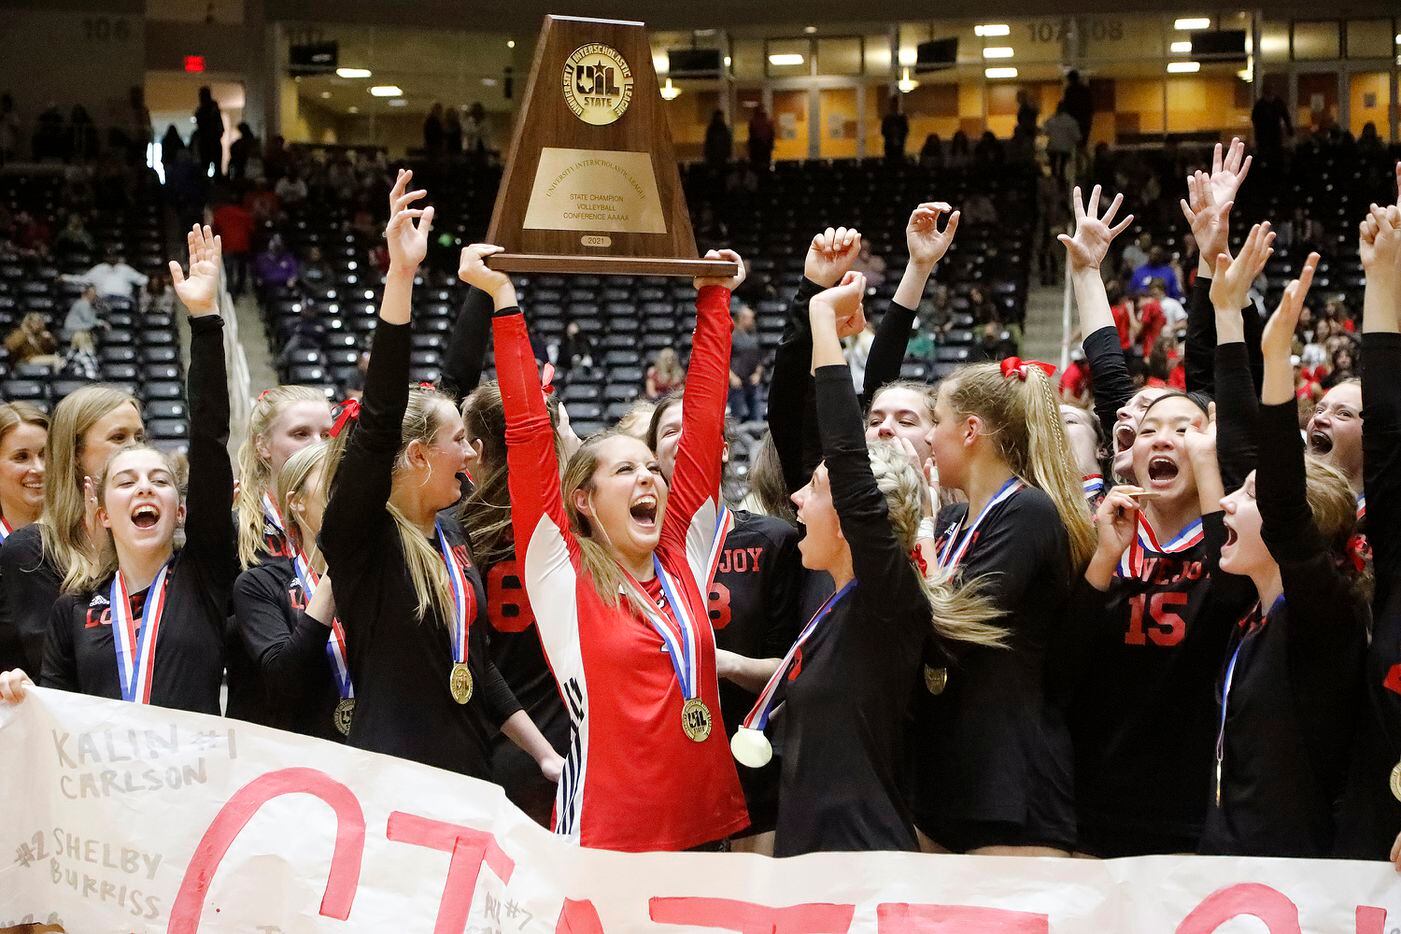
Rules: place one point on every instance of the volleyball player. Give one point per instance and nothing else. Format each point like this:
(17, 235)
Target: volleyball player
(23, 432)
(615, 563)
(407, 593)
(1088, 444)
(1287, 698)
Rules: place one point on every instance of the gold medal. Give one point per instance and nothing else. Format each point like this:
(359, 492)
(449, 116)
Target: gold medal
(695, 720)
(936, 679)
(345, 709)
(460, 683)
(1396, 782)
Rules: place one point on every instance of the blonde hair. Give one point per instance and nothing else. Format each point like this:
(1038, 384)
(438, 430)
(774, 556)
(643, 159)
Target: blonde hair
(255, 473)
(292, 479)
(1022, 417)
(85, 577)
(636, 422)
(959, 613)
(65, 537)
(427, 571)
(927, 393)
(14, 414)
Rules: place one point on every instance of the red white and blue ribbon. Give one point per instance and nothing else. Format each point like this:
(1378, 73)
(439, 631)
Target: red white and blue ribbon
(1146, 543)
(5, 529)
(681, 643)
(956, 548)
(1094, 486)
(724, 524)
(136, 649)
(457, 626)
(278, 544)
(335, 642)
(1361, 506)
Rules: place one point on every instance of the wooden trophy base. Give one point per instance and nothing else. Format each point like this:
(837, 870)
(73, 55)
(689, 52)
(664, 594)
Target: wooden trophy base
(611, 265)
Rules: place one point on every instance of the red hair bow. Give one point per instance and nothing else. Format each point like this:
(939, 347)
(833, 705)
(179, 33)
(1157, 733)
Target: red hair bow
(547, 379)
(1358, 551)
(349, 412)
(427, 385)
(918, 558)
(1016, 366)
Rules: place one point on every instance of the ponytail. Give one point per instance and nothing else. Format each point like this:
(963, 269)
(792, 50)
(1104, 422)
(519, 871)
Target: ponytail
(255, 473)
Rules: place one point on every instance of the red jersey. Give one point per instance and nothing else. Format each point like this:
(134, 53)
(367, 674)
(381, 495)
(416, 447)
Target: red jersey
(632, 779)
(234, 225)
(1152, 320)
(1075, 380)
(1122, 324)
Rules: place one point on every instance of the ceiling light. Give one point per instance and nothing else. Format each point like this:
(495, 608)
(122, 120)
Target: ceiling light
(353, 109)
(988, 30)
(1188, 23)
(786, 58)
(387, 90)
(670, 92)
(489, 82)
(1181, 48)
(909, 55)
(809, 29)
(353, 72)
(998, 51)
(906, 84)
(727, 60)
(399, 102)
(325, 95)
(1184, 68)
(1000, 72)
(510, 43)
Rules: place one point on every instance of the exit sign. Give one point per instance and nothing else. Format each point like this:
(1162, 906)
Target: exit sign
(194, 63)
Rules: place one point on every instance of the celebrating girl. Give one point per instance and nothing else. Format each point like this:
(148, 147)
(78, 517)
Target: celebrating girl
(23, 432)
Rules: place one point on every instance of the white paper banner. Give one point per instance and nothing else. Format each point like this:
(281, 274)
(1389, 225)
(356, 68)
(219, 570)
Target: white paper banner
(119, 817)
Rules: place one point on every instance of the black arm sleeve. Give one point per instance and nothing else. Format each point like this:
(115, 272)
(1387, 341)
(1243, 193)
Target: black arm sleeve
(1381, 451)
(1287, 524)
(60, 665)
(1201, 338)
(500, 702)
(1254, 330)
(209, 532)
(783, 592)
(1109, 373)
(887, 350)
(360, 490)
(286, 657)
(792, 402)
(1237, 414)
(466, 354)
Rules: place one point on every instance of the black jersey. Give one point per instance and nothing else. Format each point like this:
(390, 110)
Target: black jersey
(849, 688)
(992, 756)
(30, 587)
(1291, 683)
(79, 654)
(1144, 711)
(1371, 815)
(400, 665)
(287, 650)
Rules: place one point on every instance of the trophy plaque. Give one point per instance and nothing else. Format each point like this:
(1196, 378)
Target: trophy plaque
(591, 184)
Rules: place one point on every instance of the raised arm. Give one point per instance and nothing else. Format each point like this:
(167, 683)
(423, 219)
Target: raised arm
(1236, 403)
(1380, 248)
(927, 245)
(209, 532)
(360, 489)
(466, 353)
(694, 499)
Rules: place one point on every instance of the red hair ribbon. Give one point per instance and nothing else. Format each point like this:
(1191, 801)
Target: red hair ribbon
(918, 558)
(349, 412)
(1016, 366)
(263, 395)
(1358, 551)
(425, 385)
(547, 379)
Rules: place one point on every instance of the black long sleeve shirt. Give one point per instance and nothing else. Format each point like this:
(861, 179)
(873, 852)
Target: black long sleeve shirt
(467, 345)
(29, 587)
(400, 665)
(79, 654)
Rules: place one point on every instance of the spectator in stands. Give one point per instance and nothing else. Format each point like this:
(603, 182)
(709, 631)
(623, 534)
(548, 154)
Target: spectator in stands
(32, 233)
(895, 129)
(858, 351)
(242, 151)
(234, 225)
(1270, 117)
(275, 158)
(209, 124)
(1156, 267)
(979, 209)
(112, 277)
(1079, 104)
(1121, 307)
(433, 129)
(31, 340)
(82, 134)
(1136, 253)
(931, 154)
(309, 333)
(80, 361)
(476, 134)
(74, 237)
(85, 314)
(291, 188)
(664, 375)
(760, 139)
(960, 151)
(138, 133)
(262, 202)
(1174, 314)
(1300, 230)
(1028, 114)
(719, 141)
(989, 152)
(576, 349)
(746, 367)
(452, 131)
(275, 266)
(1148, 326)
(171, 146)
(316, 271)
(1075, 381)
(9, 129)
(158, 297)
(1062, 140)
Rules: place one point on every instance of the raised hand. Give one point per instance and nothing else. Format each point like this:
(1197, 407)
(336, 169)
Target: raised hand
(1093, 234)
(1201, 442)
(731, 282)
(1230, 284)
(1227, 174)
(840, 307)
(1379, 242)
(473, 270)
(200, 289)
(831, 254)
(1210, 219)
(926, 242)
(407, 240)
(1278, 340)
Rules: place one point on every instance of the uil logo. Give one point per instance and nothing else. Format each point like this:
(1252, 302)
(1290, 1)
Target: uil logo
(597, 84)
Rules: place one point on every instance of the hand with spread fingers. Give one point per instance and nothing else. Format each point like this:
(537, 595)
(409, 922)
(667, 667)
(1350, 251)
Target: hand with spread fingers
(200, 289)
(1093, 234)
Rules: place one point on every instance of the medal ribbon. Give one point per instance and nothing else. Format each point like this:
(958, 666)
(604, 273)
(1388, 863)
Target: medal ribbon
(1146, 543)
(682, 643)
(335, 642)
(1226, 696)
(1361, 506)
(1094, 485)
(724, 523)
(763, 709)
(457, 629)
(957, 546)
(136, 651)
(5, 529)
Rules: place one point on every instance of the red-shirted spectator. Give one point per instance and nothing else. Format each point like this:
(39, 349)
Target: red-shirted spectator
(234, 224)
(1075, 381)
(1119, 307)
(1151, 321)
